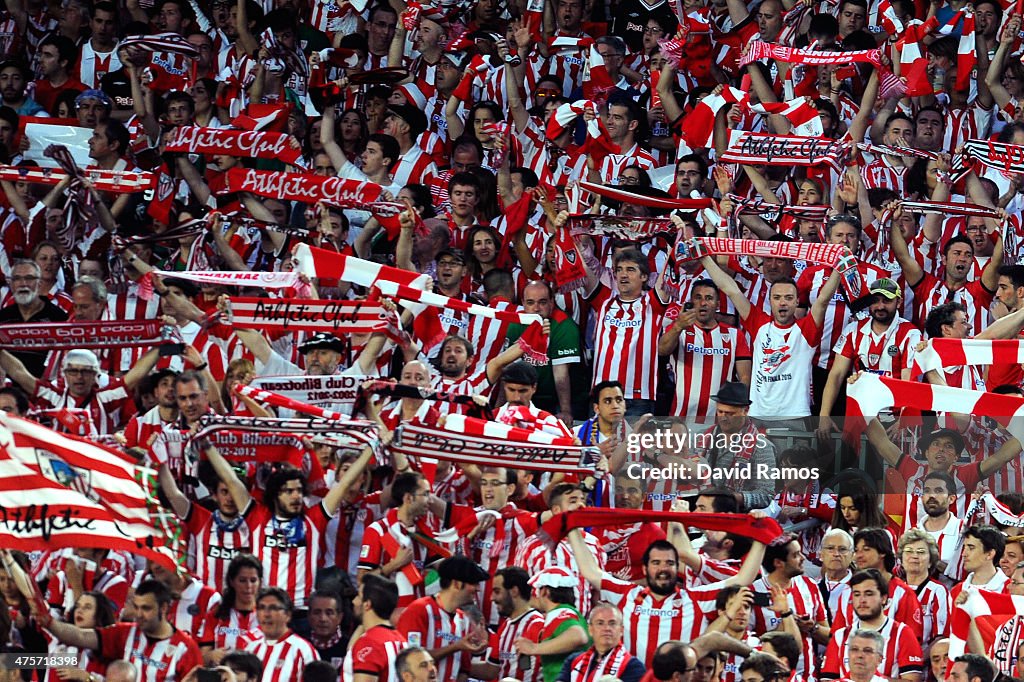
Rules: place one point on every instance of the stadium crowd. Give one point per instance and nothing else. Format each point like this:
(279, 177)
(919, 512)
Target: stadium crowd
(666, 235)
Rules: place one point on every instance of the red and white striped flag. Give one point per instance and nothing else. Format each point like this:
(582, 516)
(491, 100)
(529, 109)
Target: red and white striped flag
(799, 112)
(324, 264)
(597, 82)
(940, 353)
(988, 610)
(698, 127)
(967, 56)
(59, 491)
(888, 20)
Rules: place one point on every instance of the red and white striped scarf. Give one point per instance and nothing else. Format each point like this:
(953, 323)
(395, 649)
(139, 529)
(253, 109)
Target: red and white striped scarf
(761, 50)
(161, 42)
(241, 143)
(70, 335)
(598, 143)
(939, 353)
(283, 401)
(633, 229)
(627, 197)
(323, 264)
(833, 255)
(1003, 156)
(747, 148)
(528, 416)
(980, 605)
(801, 114)
(419, 441)
(947, 208)
(896, 150)
(759, 207)
(871, 394)
(263, 280)
(508, 429)
(996, 510)
(610, 664)
(115, 182)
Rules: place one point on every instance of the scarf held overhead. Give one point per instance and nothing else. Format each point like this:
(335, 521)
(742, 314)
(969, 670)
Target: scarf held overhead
(115, 182)
(242, 143)
(70, 335)
(939, 353)
(765, 531)
(761, 50)
(302, 187)
(310, 315)
(747, 148)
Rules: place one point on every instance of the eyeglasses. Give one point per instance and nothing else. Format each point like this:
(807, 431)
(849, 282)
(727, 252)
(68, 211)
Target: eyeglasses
(79, 371)
(839, 550)
(654, 30)
(270, 607)
(916, 552)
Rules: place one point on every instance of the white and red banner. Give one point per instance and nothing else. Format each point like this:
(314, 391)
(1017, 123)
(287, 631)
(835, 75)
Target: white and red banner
(60, 491)
(246, 144)
(989, 611)
(939, 353)
(323, 264)
(302, 187)
(315, 396)
(759, 50)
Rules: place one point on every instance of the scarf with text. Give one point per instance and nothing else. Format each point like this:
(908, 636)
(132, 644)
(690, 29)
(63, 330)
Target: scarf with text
(759, 50)
(45, 336)
(303, 187)
(357, 429)
(241, 143)
(947, 208)
(420, 441)
(871, 394)
(259, 454)
(390, 388)
(751, 149)
(834, 255)
(229, 278)
(114, 182)
(632, 229)
(570, 273)
(310, 315)
(282, 401)
(189, 228)
(765, 531)
(1003, 156)
(939, 353)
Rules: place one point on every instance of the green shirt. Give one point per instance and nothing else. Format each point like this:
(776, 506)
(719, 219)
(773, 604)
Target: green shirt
(557, 621)
(563, 348)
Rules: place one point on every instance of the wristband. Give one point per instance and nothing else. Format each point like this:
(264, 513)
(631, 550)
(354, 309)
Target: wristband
(785, 614)
(200, 368)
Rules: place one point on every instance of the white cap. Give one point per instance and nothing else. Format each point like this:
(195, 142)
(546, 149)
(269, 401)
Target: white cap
(80, 357)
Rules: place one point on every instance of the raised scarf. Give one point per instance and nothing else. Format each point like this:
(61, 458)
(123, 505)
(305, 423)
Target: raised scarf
(598, 144)
(885, 150)
(747, 148)
(230, 278)
(241, 143)
(570, 273)
(1003, 156)
(772, 212)
(833, 255)
(420, 441)
(114, 182)
(947, 208)
(277, 400)
(939, 353)
(44, 336)
(765, 531)
(303, 187)
(632, 229)
(311, 315)
(758, 50)
(79, 205)
(547, 427)
(625, 196)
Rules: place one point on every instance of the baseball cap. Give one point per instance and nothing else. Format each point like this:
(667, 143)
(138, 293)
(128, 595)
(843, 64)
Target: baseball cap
(554, 576)
(454, 254)
(520, 372)
(885, 287)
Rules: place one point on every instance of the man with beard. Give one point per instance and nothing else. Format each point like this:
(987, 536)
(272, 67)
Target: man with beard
(940, 522)
(663, 608)
(783, 566)
(958, 265)
(883, 344)
(456, 357)
(1010, 293)
(29, 306)
(371, 658)
(707, 353)
(141, 429)
(14, 78)
(901, 659)
(783, 346)
(159, 650)
(511, 594)
(607, 656)
(930, 129)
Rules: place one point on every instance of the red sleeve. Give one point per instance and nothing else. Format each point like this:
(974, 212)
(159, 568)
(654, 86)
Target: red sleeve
(755, 319)
(112, 639)
(909, 612)
(907, 467)
(117, 592)
(372, 551)
(839, 620)
(192, 659)
(908, 653)
(529, 523)
(318, 515)
(534, 629)
(131, 433)
(810, 330)
(954, 592)
(368, 659)
(197, 519)
(848, 351)
(803, 286)
(414, 620)
(599, 295)
(743, 351)
(983, 295)
(970, 474)
(830, 668)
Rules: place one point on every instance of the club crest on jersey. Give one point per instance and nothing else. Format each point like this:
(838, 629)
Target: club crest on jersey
(873, 358)
(893, 350)
(570, 256)
(165, 187)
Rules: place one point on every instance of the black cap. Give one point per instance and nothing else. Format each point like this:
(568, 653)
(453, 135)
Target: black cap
(322, 340)
(462, 568)
(520, 372)
(416, 119)
(457, 254)
(188, 287)
(925, 441)
(733, 393)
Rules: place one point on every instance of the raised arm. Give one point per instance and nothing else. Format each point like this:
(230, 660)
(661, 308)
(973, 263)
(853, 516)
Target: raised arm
(225, 472)
(751, 566)
(141, 368)
(15, 370)
(585, 559)
(331, 147)
(341, 487)
(728, 286)
(824, 296)
(179, 503)
(912, 271)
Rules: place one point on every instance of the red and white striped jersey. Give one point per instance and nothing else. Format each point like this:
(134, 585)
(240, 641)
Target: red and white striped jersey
(188, 611)
(616, 663)
(649, 620)
(567, 66)
(156, 660)
(705, 359)
(104, 404)
(613, 164)
(711, 571)
(425, 623)
(805, 600)
(194, 335)
(374, 653)
(932, 291)
(128, 306)
(1005, 645)
(415, 166)
(935, 607)
(755, 286)
(471, 384)
(507, 657)
(142, 428)
(626, 341)
(880, 173)
(488, 335)
(731, 667)
(781, 371)
(902, 651)
(902, 607)
(887, 353)
(837, 313)
(913, 472)
(213, 542)
(110, 584)
(946, 538)
(92, 66)
(373, 554)
(291, 553)
(226, 633)
(454, 486)
(497, 546)
(535, 556)
(345, 531)
(283, 660)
